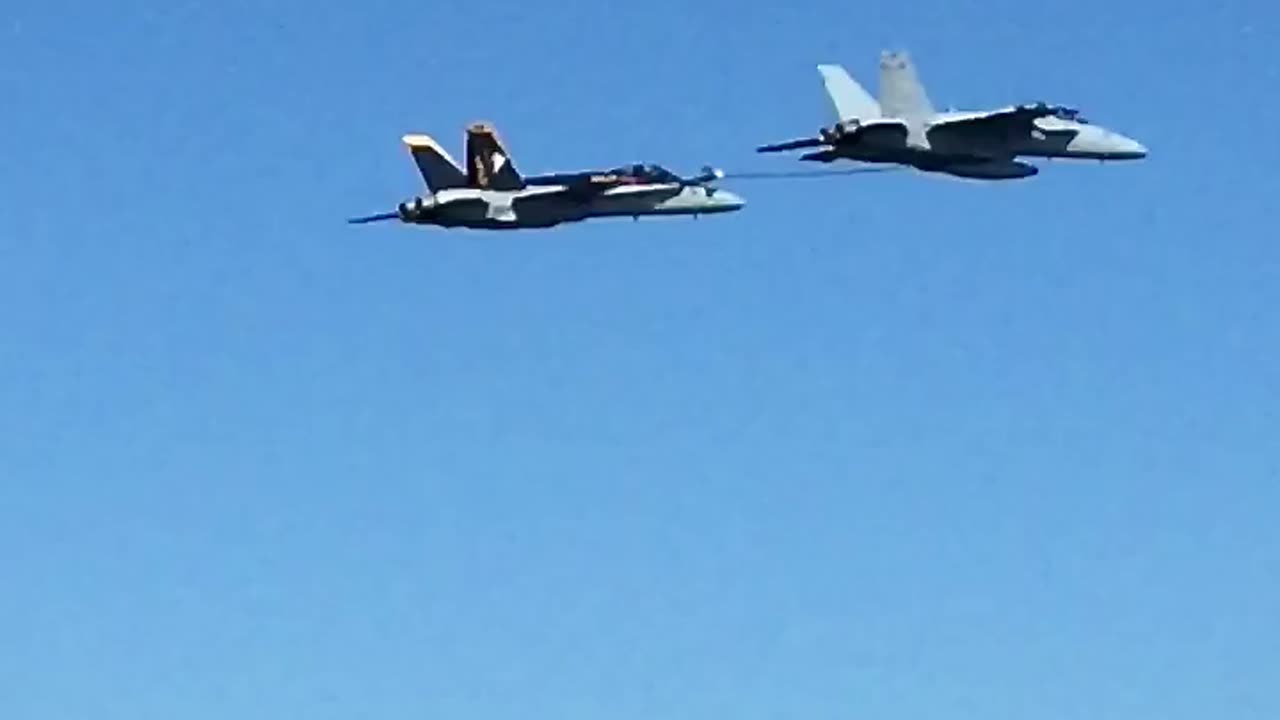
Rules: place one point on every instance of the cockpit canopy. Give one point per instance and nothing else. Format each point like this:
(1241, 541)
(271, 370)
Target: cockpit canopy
(1060, 112)
(647, 173)
(1066, 113)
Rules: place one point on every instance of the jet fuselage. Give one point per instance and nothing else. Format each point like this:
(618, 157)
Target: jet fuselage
(990, 156)
(902, 127)
(550, 205)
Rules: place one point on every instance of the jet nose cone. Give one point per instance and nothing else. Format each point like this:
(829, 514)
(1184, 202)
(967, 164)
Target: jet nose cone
(727, 201)
(1092, 141)
(1128, 148)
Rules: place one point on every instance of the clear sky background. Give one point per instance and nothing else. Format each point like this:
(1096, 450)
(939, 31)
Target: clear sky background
(881, 448)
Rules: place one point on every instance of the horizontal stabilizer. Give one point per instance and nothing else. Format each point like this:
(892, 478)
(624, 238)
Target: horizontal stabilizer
(825, 156)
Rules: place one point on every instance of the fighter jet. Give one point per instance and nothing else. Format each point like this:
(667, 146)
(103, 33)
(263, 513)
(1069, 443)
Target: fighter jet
(904, 128)
(492, 195)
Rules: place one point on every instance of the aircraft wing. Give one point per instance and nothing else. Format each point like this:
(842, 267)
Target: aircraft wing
(878, 133)
(1003, 123)
(578, 194)
(508, 207)
(887, 132)
(590, 184)
(641, 190)
(552, 195)
(534, 194)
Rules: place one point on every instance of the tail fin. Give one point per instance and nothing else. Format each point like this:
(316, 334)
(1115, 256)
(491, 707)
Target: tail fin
(849, 98)
(901, 94)
(489, 164)
(438, 169)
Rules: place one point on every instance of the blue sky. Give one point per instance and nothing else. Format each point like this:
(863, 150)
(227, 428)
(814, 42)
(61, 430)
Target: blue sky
(886, 448)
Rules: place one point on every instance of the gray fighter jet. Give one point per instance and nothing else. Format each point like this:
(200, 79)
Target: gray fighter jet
(492, 195)
(904, 128)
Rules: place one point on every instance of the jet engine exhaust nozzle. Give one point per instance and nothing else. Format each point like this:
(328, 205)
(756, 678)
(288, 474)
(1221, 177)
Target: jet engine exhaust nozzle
(412, 210)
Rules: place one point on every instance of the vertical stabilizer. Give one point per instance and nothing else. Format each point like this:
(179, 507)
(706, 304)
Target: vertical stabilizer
(901, 93)
(438, 169)
(850, 99)
(489, 165)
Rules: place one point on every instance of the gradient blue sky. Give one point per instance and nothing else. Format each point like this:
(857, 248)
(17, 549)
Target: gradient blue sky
(883, 448)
